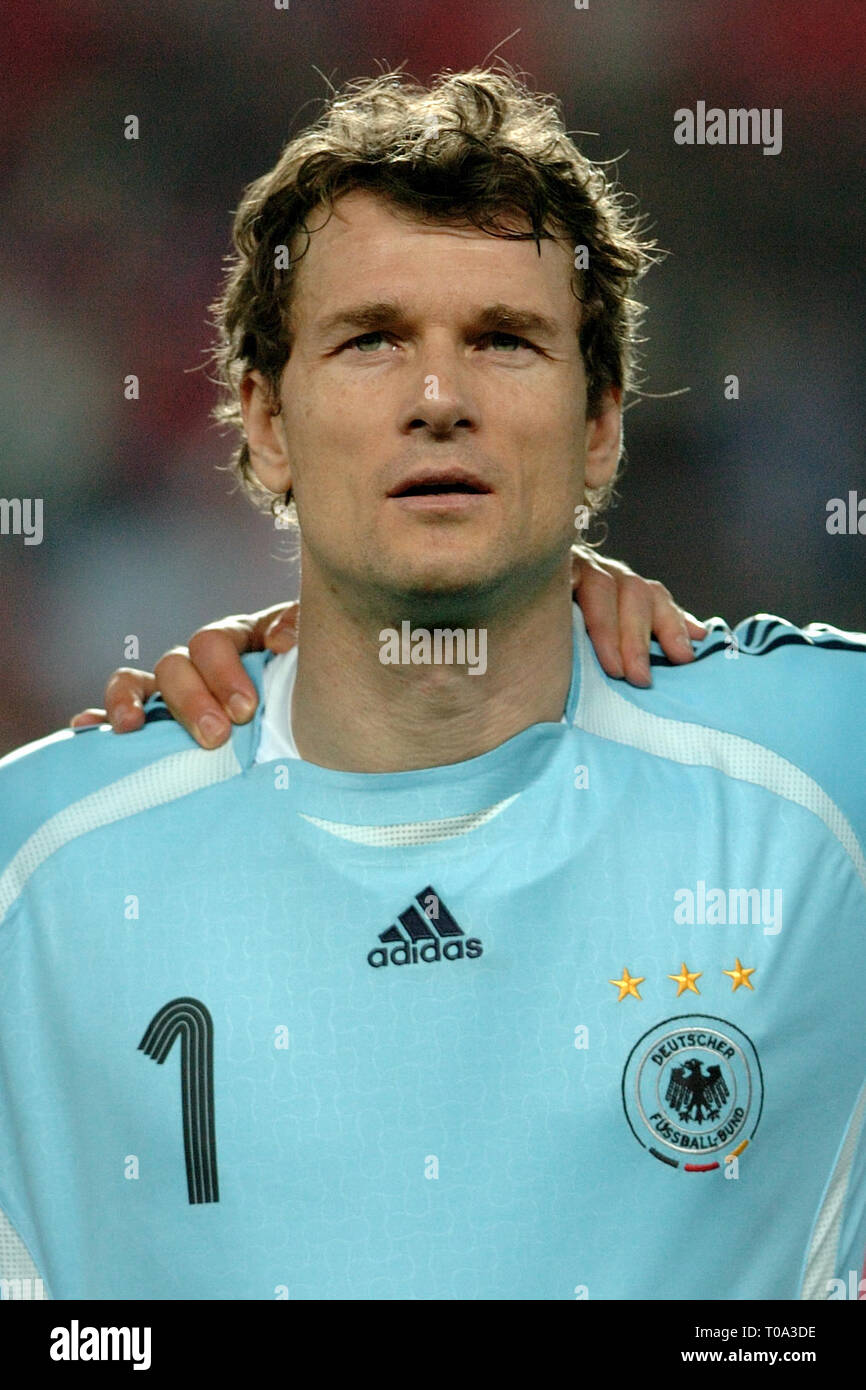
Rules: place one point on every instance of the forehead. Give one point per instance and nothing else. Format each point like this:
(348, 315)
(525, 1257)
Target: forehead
(368, 245)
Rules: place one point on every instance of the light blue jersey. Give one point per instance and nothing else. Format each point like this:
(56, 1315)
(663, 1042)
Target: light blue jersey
(581, 1017)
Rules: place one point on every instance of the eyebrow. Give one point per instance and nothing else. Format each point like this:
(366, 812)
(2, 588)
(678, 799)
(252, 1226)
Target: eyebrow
(376, 315)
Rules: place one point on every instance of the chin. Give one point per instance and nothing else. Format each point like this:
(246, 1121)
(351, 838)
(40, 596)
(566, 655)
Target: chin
(442, 596)
(440, 576)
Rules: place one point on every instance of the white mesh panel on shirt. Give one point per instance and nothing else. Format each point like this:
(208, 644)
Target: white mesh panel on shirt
(423, 832)
(19, 1277)
(165, 780)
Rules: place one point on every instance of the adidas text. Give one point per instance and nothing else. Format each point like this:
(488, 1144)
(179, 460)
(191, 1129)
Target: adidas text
(430, 951)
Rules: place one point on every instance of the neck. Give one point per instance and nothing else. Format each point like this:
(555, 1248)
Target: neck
(353, 712)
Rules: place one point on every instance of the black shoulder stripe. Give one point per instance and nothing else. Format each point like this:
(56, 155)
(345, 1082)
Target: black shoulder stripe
(792, 638)
(784, 640)
(158, 712)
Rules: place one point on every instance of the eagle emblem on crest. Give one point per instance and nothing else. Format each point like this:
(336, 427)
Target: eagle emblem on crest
(695, 1095)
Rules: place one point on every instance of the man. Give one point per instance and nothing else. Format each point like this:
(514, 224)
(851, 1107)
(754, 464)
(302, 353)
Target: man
(489, 977)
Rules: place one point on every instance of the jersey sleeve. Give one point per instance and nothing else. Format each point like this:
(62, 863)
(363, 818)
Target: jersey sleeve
(798, 691)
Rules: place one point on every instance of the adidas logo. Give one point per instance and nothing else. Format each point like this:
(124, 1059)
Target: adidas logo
(429, 935)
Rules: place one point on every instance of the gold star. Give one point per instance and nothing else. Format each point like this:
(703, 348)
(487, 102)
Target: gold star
(627, 985)
(740, 976)
(686, 979)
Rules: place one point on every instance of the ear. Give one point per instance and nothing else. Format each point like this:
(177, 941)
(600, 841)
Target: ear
(266, 437)
(604, 439)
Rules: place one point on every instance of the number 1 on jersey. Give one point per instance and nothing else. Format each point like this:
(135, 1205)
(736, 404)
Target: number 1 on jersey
(191, 1021)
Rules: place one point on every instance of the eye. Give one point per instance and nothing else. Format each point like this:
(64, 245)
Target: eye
(507, 340)
(367, 341)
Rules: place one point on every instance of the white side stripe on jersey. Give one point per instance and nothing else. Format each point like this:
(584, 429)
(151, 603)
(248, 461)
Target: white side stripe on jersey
(166, 780)
(602, 711)
(821, 1260)
(19, 1277)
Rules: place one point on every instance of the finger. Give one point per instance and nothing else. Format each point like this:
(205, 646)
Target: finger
(87, 717)
(282, 632)
(581, 556)
(189, 699)
(247, 631)
(125, 693)
(215, 653)
(216, 650)
(695, 627)
(636, 601)
(596, 592)
(671, 629)
(642, 600)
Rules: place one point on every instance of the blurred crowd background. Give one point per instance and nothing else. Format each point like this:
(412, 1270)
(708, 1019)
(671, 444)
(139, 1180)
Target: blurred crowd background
(112, 250)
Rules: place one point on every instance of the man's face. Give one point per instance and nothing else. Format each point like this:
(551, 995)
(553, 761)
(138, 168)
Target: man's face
(425, 356)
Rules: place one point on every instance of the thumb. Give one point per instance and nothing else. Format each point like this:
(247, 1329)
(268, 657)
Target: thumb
(282, 632)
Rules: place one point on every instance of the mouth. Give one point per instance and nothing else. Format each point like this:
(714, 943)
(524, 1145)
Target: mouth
(440, 484)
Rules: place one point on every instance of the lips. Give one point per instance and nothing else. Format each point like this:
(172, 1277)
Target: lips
(430, 482)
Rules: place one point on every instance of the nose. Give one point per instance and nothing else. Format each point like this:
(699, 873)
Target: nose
(439, 402)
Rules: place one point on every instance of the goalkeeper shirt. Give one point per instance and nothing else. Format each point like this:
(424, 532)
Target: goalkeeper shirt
(581, 1017)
